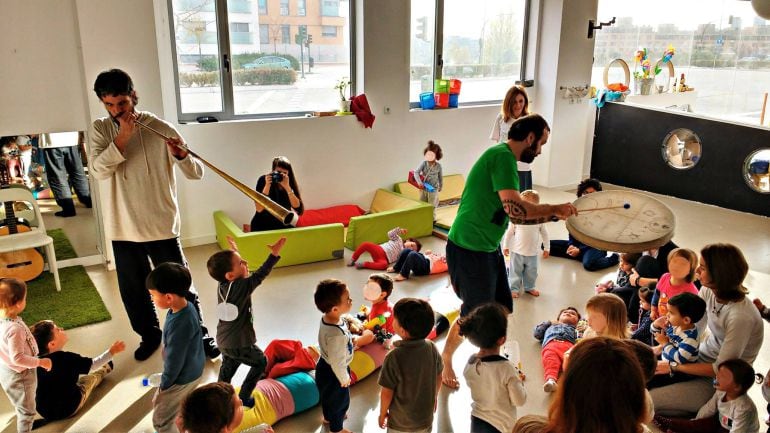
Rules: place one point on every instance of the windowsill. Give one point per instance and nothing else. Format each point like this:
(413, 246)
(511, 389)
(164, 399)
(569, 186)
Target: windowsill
(495, 104)
(263, 119)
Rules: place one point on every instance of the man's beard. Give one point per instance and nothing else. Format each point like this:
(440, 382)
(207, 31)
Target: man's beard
(528, 155)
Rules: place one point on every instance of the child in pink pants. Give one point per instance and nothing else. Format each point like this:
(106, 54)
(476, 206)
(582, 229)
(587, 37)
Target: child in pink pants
(557, 338)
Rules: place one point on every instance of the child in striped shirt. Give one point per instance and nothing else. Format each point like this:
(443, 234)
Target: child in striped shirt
(679, 343)
(384, 253)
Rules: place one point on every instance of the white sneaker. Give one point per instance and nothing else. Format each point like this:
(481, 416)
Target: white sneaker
(550, 385)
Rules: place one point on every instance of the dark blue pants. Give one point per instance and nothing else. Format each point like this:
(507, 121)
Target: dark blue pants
(525, 180)
(412, 261)
(64, 168)
(480, 426)
(593, 259)
(335, 400)
(478, 277)
(132, 263)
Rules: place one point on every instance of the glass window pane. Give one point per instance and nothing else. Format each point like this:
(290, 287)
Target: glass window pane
(284, 7)
(263, 7)
(301, 8)
(721, 47)
(273, 75)
(482, 46)
(421, 54)
(197, 50)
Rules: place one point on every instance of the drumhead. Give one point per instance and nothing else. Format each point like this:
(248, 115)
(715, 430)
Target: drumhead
(647, 224)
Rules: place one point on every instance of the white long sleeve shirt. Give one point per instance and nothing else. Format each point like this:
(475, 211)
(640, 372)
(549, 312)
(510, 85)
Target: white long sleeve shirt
(336, 347)
(496, 390)
(525, 240)
(141, 180)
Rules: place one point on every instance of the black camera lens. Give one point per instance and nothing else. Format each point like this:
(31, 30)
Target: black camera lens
(277, 176)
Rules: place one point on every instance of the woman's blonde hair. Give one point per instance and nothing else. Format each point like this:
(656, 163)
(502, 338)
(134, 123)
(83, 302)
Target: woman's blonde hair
(530, 424)
(688, 255)
(614, 309)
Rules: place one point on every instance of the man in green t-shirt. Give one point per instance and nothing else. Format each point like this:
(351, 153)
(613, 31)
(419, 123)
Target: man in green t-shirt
(490, 199)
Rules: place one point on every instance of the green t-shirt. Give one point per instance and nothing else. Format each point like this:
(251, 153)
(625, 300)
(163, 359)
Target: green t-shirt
(481, 221)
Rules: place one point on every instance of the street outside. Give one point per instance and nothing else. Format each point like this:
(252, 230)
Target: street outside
(729, 93)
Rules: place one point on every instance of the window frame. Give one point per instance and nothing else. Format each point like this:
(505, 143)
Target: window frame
(225, 72)
(438, 51)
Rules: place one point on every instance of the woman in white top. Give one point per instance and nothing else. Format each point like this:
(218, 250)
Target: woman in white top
(735, 331)
(515, 105)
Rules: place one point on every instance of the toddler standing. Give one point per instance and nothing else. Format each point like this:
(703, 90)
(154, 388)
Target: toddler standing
(169, 285)
(523, 242)
(18, 353)
(235, 331)
(429, 171)
(332, 373)
(496, 384)
(411, 373)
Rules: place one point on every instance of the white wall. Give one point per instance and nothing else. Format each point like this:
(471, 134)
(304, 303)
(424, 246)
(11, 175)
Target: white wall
(41, 80)
(336, 159)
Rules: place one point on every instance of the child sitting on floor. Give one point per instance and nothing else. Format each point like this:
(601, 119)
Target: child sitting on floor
(680, 341)
(682, 263)
(523, 243)
(62, 391)
(377, 291)
(384, 253)
(497, 387)
(642, 332)
(557, 337)
(426, 263)
(625, 266)
(729, 410)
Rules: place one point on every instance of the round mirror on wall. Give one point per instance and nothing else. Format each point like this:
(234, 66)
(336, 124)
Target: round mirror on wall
(681, 149)
(756, 170)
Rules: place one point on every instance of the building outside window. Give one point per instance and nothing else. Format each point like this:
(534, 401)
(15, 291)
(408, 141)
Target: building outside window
(239, 87)
(329, 31)
(302, 7)
(723, 50)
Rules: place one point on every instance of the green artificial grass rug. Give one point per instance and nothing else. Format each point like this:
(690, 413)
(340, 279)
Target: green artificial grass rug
(77, 304)
(62, 245)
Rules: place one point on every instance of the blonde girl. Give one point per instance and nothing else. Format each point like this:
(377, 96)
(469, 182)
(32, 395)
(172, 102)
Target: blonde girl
(606, 315)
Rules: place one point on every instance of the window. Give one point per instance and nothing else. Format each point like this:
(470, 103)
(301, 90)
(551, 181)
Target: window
(284, 7)
(264, 34)
(330, 8)
(286, 34)
(263, 7)
(239, 27)
(329, 31)
(480, 45)
(723, 51)
(301, 7)
(232, 81)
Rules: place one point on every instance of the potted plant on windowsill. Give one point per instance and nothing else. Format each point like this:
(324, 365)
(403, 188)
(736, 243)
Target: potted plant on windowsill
(342, 86)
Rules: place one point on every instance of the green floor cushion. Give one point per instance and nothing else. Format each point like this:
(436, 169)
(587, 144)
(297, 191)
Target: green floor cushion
(303, 244)
(445, 216)
(389, 210)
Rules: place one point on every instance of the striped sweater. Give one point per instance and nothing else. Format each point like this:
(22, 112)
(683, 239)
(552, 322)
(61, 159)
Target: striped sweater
(682, 346)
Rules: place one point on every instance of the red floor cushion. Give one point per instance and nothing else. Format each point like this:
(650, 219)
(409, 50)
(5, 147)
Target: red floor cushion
(329, 215)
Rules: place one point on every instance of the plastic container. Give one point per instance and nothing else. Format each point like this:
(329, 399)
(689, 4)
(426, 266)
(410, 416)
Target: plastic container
(441, 86)
(152, 380)
(454, 86)
(426, 101)
(442, 100)
(454, 100)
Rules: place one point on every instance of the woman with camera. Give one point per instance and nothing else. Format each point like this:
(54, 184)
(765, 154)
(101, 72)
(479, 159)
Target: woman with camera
(281, 186)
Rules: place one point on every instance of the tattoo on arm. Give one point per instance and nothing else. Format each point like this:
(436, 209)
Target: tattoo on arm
(518, 213)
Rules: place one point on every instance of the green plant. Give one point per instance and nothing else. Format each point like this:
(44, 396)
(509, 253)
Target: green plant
(342, 85)
(208, 64)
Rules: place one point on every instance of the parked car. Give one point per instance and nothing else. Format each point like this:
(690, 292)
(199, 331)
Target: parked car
(273, 62)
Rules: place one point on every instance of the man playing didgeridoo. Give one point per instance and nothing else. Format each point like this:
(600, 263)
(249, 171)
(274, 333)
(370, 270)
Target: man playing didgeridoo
(142, 218)
(490, 199)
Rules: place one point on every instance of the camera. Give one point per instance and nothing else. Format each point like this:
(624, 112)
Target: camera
(276, 176)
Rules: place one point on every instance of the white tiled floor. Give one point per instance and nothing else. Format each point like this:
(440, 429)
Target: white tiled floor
(284, 309)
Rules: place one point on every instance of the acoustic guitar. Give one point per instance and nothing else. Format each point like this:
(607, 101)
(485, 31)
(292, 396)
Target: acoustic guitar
(23, 264)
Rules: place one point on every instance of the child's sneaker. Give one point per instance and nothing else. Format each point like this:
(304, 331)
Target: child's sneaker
(359, 265)
(550, 385)
(351, 263)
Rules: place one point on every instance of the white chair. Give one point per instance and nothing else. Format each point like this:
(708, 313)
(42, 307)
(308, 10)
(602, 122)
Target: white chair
(37, 237)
